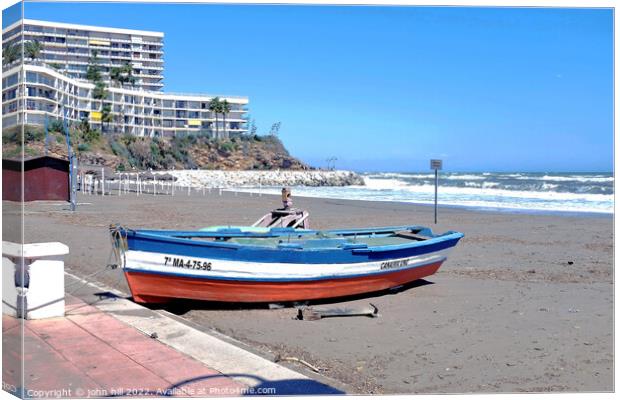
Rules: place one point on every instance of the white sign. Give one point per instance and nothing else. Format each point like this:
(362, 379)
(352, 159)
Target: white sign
(436, 164)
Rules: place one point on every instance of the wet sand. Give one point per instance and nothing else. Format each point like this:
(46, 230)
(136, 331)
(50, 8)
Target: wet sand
(524, 303)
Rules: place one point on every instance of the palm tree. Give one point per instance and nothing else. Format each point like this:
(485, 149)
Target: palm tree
(127, 70)
(115, 76)
(10, 54)
(33, 49)
(99, 92)
(215, 106)
(225, 109)
(92, 73)
(106, 115)
(122, 75)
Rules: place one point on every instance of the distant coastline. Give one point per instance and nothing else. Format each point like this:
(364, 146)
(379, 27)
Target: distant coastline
(505, 192)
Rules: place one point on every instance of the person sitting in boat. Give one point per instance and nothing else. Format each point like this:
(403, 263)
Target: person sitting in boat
(287, 202)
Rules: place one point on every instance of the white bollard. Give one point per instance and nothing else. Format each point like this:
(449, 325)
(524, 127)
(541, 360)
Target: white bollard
(42, 293)
(102, 181)
(220, 191)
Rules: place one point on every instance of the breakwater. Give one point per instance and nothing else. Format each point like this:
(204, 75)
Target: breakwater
(219, 179)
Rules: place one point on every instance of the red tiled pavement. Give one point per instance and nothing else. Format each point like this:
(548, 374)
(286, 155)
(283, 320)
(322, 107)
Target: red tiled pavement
(89, 353)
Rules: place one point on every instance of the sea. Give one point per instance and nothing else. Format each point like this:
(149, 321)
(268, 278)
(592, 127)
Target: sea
(507, 191)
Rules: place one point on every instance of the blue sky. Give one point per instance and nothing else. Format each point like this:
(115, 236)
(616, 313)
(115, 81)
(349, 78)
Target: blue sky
(388, 88)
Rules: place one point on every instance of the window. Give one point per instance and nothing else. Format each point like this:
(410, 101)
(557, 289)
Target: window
(9, 107)
(31, 77)
(10, 80)
(180, 104)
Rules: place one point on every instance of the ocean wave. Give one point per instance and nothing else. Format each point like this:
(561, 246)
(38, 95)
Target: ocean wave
(463, 177)
(520, 191)
(569, 178)
(495, 192)
(383, 184)
(491, 201)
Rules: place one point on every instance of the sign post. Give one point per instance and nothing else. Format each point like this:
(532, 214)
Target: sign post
(436, 165)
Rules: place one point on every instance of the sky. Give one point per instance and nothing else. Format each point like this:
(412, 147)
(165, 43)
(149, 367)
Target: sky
(388, 88)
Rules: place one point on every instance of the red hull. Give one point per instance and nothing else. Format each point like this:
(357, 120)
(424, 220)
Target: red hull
(154, 288)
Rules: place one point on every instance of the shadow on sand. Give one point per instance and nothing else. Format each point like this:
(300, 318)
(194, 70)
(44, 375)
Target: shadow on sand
(183, 306)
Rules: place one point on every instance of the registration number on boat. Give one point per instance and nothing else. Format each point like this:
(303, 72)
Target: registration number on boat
(187, 263)
(395, 264)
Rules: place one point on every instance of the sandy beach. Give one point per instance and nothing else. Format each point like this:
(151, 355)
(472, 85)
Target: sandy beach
(524, 303)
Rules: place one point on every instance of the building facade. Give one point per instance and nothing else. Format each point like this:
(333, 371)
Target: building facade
(54, 86)
(70, 48)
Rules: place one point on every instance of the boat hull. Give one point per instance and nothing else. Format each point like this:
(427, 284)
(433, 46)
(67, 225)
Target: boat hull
(148, 287)
(160, 266)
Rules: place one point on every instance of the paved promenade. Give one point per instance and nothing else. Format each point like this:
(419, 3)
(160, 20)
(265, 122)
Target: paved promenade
(108, 346)
(89, 353)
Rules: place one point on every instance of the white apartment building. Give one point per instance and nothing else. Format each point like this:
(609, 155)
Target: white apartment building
(46, 93)
(69, 48)
(37, 91)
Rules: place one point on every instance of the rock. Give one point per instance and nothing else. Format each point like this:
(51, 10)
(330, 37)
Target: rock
(251, 178)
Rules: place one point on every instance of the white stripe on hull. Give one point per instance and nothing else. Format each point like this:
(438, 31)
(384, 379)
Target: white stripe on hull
(239, 270)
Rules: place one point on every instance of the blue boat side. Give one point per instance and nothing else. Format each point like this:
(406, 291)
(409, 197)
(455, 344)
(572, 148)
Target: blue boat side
(180, 243)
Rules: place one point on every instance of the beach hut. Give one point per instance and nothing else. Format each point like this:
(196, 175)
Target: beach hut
(44, 178)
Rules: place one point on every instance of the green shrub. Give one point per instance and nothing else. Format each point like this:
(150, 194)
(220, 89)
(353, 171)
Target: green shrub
(127, 139)
(227, 147)
(118, 149)
(30, 152)
(12, 153)
(33, 135)
(91, 135)
(120, 167)
(12, 137)
(83, 147)
(55, 125)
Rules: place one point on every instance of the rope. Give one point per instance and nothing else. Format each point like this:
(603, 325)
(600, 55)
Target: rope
(118, 240)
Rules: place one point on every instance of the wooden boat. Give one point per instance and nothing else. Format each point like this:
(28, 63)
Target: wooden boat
(276, 264)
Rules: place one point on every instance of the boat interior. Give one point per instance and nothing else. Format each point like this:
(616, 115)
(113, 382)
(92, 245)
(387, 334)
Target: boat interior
(308, 239)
